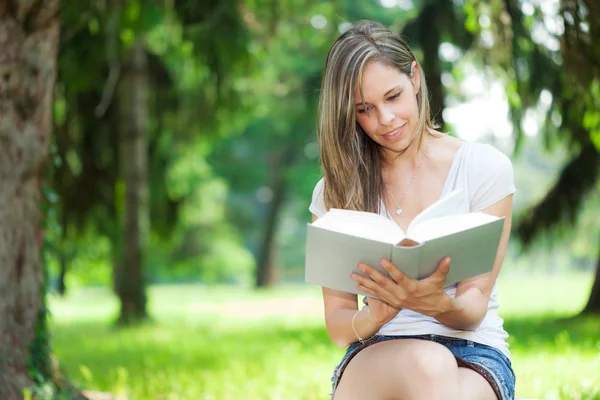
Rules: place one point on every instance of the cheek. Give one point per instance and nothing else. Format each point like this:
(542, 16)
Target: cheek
(366, 124)
(414, 105)
(407, 111)
(362, 121)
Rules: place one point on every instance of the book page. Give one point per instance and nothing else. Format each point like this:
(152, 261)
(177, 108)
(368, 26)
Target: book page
(450, 204)
(361, 224)
(444, 226)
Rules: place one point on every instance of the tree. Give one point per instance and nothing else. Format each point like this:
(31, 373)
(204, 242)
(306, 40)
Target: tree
(99, 92)
(271, 163)
(133, 145)
(436, 22)
(579, 78)
(102, 140)
(29, 38)
(566, 65)
(267, 152)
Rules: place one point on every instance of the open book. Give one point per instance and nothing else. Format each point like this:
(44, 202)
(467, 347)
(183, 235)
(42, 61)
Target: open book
(340, 239)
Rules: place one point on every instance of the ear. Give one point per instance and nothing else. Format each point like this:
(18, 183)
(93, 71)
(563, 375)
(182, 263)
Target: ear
(415, 76)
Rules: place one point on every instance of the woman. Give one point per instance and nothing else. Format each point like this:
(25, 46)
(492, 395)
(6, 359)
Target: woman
(380, 152)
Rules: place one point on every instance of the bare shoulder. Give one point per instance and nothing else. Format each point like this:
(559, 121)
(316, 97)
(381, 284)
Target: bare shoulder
(444, 147)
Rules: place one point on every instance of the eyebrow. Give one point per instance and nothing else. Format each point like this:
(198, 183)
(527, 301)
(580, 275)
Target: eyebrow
(386, 93)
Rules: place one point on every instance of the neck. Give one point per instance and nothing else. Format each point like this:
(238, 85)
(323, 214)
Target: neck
(408, 160)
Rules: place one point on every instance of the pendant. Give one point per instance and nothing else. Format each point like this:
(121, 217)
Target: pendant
(398, 210)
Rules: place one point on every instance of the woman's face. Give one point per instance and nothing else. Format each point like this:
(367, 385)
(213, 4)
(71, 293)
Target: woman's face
(390, 114)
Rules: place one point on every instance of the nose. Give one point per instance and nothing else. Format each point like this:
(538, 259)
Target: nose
(386, 116)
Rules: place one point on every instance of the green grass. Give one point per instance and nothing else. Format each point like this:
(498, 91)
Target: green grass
(232, 343)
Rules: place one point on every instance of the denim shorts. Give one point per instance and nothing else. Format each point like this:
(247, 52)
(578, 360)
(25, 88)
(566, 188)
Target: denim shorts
(489, 362)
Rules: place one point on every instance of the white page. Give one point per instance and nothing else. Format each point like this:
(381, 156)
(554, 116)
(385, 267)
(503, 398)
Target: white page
(447, 205)
(361, 224)
(443, 226)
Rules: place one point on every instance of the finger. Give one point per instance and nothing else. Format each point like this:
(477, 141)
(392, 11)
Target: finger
(378, 293)
(397, 275)
(376, 276)
(366, 282)
(371, 285)
(368, 291)
(405, 282)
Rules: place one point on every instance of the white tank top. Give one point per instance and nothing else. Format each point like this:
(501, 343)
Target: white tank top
(486, 175)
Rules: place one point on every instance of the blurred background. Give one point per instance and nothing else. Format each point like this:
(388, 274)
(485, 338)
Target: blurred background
(183, 160)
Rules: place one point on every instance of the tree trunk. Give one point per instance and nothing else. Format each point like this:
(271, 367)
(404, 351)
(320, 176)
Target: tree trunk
(63, 258)
(28, 48)
(266, 270)
(593, 304)
(62, 286)
(430, 24)
(133, 109)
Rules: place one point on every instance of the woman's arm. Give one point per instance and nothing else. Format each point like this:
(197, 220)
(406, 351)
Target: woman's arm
(340, 309)
(427, 296)
(470, 305)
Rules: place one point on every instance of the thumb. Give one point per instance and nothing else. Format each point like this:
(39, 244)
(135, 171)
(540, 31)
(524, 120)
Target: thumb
(443, 268)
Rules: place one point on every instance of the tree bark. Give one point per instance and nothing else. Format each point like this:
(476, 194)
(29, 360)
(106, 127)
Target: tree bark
(133, 115)
(593, 304)
(28, 48)
(430, 34)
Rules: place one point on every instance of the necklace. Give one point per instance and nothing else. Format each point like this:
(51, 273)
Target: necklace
(398, 209)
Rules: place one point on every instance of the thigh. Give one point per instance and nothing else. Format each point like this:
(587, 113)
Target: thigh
(400, 369)
(491, 364)
(473, 386)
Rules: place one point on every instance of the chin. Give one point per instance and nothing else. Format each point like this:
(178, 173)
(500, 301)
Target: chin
(398, 148)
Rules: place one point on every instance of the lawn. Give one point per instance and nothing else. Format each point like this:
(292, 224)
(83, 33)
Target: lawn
(234, 343)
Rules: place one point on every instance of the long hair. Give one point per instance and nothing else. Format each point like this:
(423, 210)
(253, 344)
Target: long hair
(350, 160)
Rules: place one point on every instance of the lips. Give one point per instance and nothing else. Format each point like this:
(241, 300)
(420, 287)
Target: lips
(394, 134)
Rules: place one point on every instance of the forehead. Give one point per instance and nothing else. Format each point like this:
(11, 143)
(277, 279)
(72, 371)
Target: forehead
(378, 78)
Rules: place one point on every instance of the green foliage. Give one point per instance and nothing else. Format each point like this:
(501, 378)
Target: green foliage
(274, 140)
(47, 381)
(561, 248)
(563, 61)
(234, 94)
(279, 96)
(89, 260)
(39, 361)
(235, 90)
(591, 115)
(472, 20)
(186, 52)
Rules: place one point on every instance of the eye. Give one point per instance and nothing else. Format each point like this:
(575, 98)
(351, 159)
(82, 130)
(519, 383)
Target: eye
(394, 97)
(364, 110)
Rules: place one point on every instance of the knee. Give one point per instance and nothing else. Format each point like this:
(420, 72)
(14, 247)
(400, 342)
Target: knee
(432, 362)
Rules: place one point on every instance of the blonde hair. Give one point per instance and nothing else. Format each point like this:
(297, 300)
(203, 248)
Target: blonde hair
(351, 161)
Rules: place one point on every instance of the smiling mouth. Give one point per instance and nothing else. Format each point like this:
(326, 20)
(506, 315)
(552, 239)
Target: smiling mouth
(395, 133)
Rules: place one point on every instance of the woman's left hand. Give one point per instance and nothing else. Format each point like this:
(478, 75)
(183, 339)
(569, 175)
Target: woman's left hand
(425, 296)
